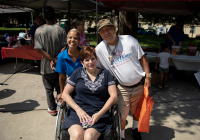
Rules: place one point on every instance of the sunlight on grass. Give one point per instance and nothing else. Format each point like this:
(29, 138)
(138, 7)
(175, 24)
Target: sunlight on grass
(11, 29)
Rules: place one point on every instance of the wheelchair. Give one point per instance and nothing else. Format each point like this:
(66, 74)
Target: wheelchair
(113, 134)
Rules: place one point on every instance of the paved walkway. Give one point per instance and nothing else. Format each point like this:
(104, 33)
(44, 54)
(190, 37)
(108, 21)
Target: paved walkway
(23, 108)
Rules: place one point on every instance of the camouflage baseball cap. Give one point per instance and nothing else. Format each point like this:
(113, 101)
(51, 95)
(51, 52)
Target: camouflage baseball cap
(103, 22)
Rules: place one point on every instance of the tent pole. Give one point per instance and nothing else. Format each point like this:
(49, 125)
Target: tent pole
(96, 20)
(69, 14)
(32, 17)
(192, 29)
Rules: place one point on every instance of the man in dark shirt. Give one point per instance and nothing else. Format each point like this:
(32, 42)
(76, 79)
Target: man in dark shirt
(32, 33)
(34, 27)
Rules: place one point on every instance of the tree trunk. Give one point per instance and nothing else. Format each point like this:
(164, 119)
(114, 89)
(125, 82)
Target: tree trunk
(128, 23)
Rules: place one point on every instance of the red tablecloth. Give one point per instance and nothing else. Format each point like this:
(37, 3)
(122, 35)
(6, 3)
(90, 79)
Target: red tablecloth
(25, 51)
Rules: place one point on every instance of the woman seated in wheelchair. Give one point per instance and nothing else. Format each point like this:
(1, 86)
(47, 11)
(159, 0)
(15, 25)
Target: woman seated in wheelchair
(88, 116)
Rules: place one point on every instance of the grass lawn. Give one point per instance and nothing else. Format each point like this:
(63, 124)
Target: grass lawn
(151, 41)
(11, 29)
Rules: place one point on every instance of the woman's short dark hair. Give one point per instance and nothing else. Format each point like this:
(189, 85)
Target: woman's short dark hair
(87, 52)
(76, 22)
(163, 46)
(49, 13)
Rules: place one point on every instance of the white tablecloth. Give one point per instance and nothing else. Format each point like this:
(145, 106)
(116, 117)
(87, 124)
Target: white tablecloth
(181, 62)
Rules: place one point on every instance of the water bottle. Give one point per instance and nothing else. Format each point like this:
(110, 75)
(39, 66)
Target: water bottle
(58, 105)
(87, 42)
(19, 43)
(8, 41)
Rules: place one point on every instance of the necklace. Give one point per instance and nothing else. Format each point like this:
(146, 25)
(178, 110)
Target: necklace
(112, 52)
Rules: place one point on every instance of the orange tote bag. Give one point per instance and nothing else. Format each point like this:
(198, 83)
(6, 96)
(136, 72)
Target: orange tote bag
(143, 111)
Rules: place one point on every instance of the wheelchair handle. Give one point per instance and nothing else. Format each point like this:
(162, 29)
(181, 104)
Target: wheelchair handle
(63, 105)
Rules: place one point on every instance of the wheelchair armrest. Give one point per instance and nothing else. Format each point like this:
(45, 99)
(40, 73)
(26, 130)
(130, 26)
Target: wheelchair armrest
(114, 107)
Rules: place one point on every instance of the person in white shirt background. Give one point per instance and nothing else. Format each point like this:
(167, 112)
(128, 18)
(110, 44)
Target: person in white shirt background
(164, 58)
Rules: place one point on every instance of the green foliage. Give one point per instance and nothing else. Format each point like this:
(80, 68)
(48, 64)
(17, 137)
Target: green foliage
(12, 29)
(152, 41)
(164, 19)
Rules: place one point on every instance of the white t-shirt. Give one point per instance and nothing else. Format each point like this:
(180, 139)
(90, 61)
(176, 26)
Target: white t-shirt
(22, 35)
(126, 65)
(164, 59)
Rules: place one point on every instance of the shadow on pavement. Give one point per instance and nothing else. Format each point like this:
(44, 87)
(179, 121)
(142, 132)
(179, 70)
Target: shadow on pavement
(6, 93)
(20, 107)
(155, 133)
(159, 133)
(30, 70)
(8, 68)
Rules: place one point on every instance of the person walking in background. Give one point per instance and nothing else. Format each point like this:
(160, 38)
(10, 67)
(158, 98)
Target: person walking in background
(27, 32)
(79, 25)
(123, 56)
(49, 41)
(32, 33)
(164, 58)
(175, 35)
(33, 29)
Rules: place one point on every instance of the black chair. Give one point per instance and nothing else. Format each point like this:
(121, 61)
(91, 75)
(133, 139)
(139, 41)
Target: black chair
(112, 134)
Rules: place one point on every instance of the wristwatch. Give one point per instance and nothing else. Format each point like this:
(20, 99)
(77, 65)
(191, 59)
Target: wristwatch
(148, 76)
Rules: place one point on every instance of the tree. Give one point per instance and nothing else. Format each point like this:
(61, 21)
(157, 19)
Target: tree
(128, 23)
(163, 19)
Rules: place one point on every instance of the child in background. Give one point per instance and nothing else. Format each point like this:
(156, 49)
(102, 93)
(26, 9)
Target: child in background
(164, 58)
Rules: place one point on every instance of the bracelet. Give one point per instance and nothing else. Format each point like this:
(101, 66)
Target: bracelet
(148, 78)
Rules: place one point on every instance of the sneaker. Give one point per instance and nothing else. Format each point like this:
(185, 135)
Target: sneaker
(136, 135)
(52, 112)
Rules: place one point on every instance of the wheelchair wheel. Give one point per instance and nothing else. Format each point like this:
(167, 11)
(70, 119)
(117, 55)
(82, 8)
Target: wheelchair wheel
(60, 121)
(117, 126)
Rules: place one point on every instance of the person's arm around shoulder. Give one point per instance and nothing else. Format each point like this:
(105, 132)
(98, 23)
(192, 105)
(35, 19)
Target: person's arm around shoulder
(112, 90)
(69, 88)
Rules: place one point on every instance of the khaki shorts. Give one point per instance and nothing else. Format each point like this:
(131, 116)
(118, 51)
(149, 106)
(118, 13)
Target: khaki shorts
(128, 98)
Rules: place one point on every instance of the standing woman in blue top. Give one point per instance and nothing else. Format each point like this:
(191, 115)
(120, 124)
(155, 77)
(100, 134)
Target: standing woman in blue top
(175, 35)
(69, 59)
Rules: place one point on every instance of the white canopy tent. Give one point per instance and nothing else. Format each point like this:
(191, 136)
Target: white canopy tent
(70, 6)
(13, 9)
